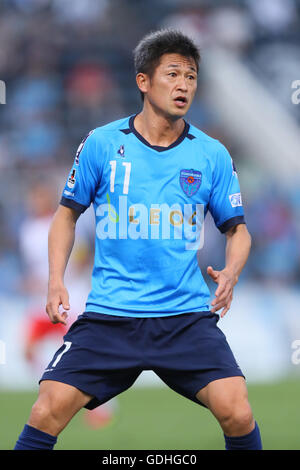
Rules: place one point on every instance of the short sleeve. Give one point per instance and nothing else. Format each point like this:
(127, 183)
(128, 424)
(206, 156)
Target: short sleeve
(84, 177)
(225, 203)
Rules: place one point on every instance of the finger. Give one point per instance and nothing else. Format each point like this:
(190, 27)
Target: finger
(219, 294)
(221, 304)
(222, 293)
(64, 316)
(225, 309)
(221, 288)
(65, 301)
(60, 318)
(224, 284)
(212, 273)
(225, 305)
(52, 310)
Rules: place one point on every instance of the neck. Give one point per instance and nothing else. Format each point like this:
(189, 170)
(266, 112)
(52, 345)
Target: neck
(158, 129)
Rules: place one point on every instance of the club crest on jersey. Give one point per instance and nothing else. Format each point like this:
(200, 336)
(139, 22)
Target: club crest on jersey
(190, 181)
(72, 179)
(121, 151)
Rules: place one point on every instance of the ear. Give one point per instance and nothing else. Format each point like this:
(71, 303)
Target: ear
(142, 81)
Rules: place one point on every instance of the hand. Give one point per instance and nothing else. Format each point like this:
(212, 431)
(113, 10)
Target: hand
(226, 282)
(57, 295)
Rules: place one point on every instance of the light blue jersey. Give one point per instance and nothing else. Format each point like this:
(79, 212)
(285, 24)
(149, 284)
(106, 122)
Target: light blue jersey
(150, 203)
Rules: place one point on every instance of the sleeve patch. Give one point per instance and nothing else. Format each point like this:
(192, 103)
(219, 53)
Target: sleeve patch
(235, 199)
(81, 145)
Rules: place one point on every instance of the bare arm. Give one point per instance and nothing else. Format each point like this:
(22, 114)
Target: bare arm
(60, 244)
(238, 246)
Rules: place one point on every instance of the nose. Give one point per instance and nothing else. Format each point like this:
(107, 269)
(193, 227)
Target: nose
(182, 84)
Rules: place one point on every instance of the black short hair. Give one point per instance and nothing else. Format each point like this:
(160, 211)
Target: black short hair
(165, 41)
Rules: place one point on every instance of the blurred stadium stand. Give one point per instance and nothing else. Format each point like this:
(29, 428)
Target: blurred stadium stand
(68, 69)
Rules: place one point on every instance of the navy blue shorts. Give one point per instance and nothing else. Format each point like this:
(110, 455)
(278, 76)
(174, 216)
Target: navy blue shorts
(103, 355)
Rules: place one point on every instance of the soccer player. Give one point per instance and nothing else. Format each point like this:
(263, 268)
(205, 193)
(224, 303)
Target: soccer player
(151, 177)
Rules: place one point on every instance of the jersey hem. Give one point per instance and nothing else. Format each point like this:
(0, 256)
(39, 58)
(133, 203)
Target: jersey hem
(124, 313)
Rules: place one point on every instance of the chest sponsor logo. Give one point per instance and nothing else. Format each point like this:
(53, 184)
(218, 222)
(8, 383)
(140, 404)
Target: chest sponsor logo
(190, 181)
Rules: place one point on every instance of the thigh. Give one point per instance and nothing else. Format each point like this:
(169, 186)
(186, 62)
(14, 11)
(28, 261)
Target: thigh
(56, 405)
(227, 399)
(223, 394)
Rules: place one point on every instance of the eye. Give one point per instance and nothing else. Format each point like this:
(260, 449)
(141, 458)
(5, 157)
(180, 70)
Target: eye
(172, 74)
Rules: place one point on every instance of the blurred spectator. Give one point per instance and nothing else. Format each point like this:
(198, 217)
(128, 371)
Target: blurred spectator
(276, 252)
(33, 238)
(231, 28)
(30, 6)
(273, 17)
(82, 12)
(90, 92)
(191, 21)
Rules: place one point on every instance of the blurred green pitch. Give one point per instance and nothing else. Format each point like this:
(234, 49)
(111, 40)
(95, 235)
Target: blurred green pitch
(157, 418)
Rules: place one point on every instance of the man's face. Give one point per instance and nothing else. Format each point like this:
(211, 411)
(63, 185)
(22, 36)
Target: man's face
(172, 87)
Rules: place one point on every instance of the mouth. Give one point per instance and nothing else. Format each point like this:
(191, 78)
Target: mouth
(180, 101)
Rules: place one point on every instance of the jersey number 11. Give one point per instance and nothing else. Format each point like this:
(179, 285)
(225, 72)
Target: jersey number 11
(113, 165)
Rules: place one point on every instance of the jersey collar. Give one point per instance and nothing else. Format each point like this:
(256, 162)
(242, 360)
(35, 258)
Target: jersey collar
(158, 148)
